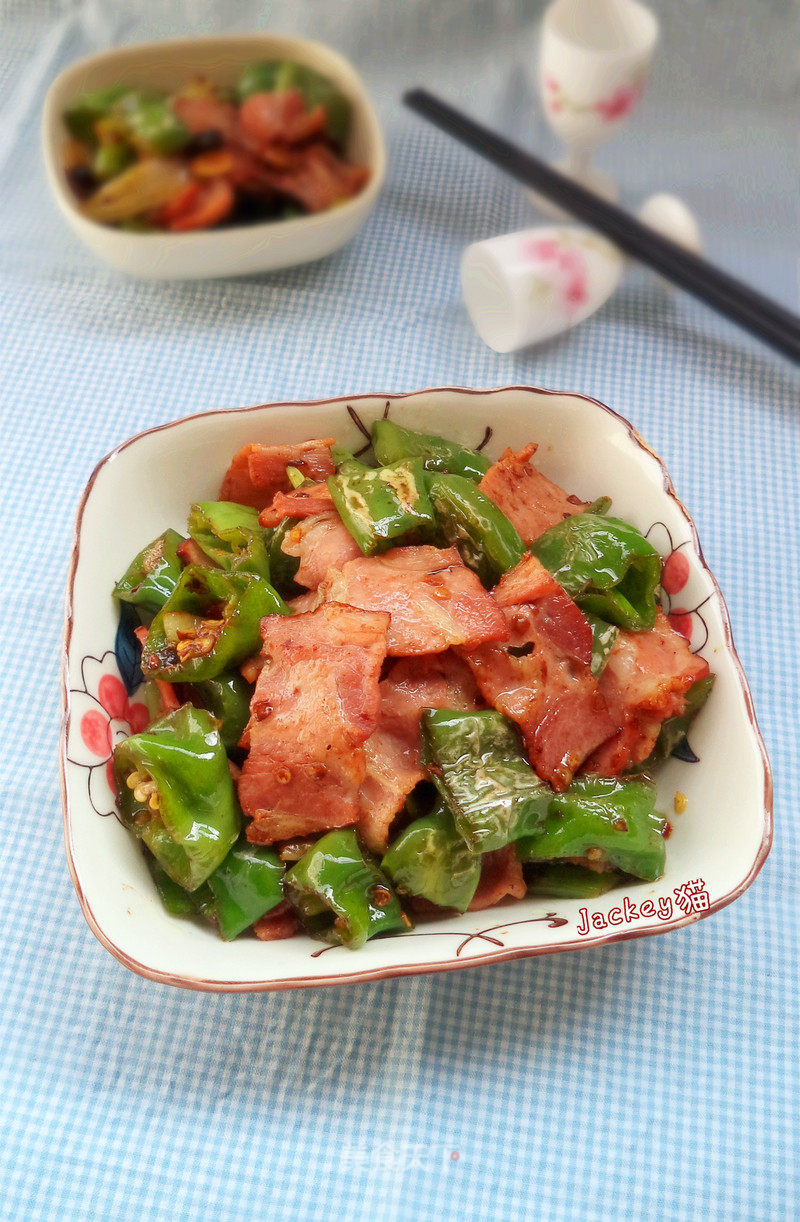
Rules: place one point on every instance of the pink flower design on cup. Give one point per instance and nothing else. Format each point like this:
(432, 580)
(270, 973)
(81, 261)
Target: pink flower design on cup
(620, 103)
(101, 717)
(565, 269)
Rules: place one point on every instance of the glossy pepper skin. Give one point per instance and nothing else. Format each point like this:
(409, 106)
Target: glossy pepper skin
(487, 542)
(603, 637)
(611, 819)
(385, 506)
(231, 536)
(340, 896)
(245, 887)
(391, 443)
(477, 764)
(276, 76)
(155, 128)
(283, 567)
(606, 565)
(431, 859)
(208, 625)
(176, 901)
(566, 880)
(152, 576)
(175, 792)
(674, 730)
(227, 699)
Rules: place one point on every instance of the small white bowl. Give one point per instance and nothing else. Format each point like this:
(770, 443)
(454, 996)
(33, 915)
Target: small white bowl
(719, 843)
(240, 249)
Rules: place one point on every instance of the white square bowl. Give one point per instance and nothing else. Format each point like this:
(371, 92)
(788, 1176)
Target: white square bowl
(720, 842)
(238, 249)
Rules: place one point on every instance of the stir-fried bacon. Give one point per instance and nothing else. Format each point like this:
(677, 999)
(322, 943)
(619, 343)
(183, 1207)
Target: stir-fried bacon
(542, 678)
(393, 749)
(280, 118)
(316, 702)
(558, 617)
(501, 878)
(258, 472)
(434, 600)
(305, 502)
(322, 542)
(280, 923)
(645, 680)
(529, 499)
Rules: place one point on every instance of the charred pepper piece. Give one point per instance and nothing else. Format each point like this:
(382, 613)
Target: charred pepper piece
(342, 897)
(566, 880)
(606, 565)
(431, 859)
(231, 536)
(477, 764)
(245, 887)
(209, 624)
(152, 576)
(383, 506)
(175, 792)
(391, 443)
(487, 542)
(227, 699)
(611, 822)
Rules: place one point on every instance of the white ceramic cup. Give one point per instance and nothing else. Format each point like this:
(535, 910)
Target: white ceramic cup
(521, 288)
(594, 57)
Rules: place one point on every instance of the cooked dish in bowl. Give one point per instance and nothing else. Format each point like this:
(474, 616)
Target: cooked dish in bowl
(269, 148)
(382, 690)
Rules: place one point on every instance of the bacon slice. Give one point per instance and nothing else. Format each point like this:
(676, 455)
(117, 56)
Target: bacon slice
(258, 472)
(316, 178)
(542, 679)
(280, 117)
(434, 600)
(393, 749)
(322, 542)
(558, 617)
(305, 502)
(501, 878)
(645, 680)
(529, 499)
(316, 703)
(279, 923)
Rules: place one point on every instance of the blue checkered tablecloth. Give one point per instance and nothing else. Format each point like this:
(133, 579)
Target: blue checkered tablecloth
(654, 1079)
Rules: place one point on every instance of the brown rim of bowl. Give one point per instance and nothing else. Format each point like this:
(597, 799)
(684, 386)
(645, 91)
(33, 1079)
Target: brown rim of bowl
(383, 973)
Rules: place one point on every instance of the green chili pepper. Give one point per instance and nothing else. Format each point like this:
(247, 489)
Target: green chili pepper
(383, 506)
(469, 521)
(568, 881)
(175, 792)
(111, 159)
(209, 624)
(607, 566)
(430, 858)
(152, 576)
(617, 817)
(674, 730)
(227, 699)
(176, 901)
(155, 128)
(82, 115)
(392, 444)
(276, 76)
(477, 764)
(282, 567)
(231, 536)
(245, 886)
(340, 896)
(603, 637)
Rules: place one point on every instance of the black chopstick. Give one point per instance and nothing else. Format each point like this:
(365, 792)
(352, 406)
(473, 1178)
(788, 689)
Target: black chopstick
(767, 319)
